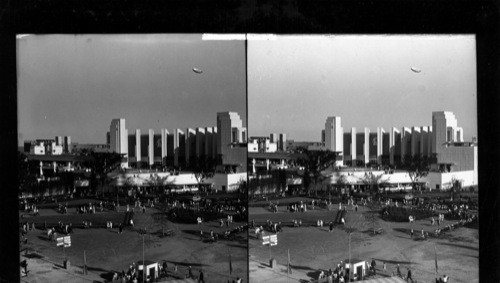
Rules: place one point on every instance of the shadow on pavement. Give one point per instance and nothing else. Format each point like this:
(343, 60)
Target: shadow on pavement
(392, 261)
(300, 267)
(313, 274)
(460, 246)
(185, 263)
(43, 238)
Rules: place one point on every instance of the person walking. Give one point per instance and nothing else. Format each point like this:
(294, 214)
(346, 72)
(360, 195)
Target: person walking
(201, 277)
(411, 233)
(24, 265)
(408, 277)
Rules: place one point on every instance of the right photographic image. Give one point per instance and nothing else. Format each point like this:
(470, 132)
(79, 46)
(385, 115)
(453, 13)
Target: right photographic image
(362, 158)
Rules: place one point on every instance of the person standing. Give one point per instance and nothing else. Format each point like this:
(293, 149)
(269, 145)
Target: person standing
(373, 266)
(190, 272)
(411, 233)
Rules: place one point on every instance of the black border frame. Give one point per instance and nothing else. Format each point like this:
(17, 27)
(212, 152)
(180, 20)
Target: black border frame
(260, 16)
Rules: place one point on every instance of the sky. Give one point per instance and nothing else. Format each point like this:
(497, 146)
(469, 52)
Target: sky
(74, 85)
(296, 82)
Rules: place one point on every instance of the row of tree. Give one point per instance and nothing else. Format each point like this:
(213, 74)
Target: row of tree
(315, 162)
(100, 164)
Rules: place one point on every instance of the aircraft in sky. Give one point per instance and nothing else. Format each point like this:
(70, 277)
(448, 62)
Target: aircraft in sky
(415, 70)
(198, 71)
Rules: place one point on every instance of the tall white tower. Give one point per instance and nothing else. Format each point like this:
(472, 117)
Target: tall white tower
(119, 138)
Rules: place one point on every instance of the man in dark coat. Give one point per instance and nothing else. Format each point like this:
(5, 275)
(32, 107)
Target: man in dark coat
(24, 264)
(409, 276)
(200, 279)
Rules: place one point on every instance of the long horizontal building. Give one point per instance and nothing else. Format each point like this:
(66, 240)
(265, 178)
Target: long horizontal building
(381, 147)
(226, 142)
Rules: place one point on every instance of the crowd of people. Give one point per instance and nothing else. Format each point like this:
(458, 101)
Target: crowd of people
(453, 226)
(134, 274)
(341, 274)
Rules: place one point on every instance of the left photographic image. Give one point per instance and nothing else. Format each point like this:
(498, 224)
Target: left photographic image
(132, 158)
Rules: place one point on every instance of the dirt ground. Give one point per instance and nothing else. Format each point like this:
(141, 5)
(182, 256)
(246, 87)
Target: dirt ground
(107, 251)
(313, 249)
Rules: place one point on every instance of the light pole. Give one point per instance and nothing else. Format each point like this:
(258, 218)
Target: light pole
(143, 263)
(350, 267)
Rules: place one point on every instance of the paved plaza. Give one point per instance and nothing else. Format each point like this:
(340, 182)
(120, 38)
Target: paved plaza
(313, 249)
(108, 251)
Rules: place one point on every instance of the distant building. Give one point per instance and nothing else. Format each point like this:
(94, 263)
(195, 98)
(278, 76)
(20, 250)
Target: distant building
(76, 147)
(231, 140)
(282, 142)
(67, 144)
(43, 147)
(262, 144)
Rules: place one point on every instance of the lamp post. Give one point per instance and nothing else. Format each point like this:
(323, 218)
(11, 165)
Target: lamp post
(350, 266)
(143, 263)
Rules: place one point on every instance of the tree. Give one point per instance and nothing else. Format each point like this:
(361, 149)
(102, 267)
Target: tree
(203, 167)
(456, 186)
(26, 176)
(341, 182)
(417, 167)
(156, 181)
(373, 181)
(314, 162)
(371, 215)
(100, 164)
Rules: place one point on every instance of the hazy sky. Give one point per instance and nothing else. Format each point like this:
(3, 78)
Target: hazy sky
(75, 84)
(296, 82)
